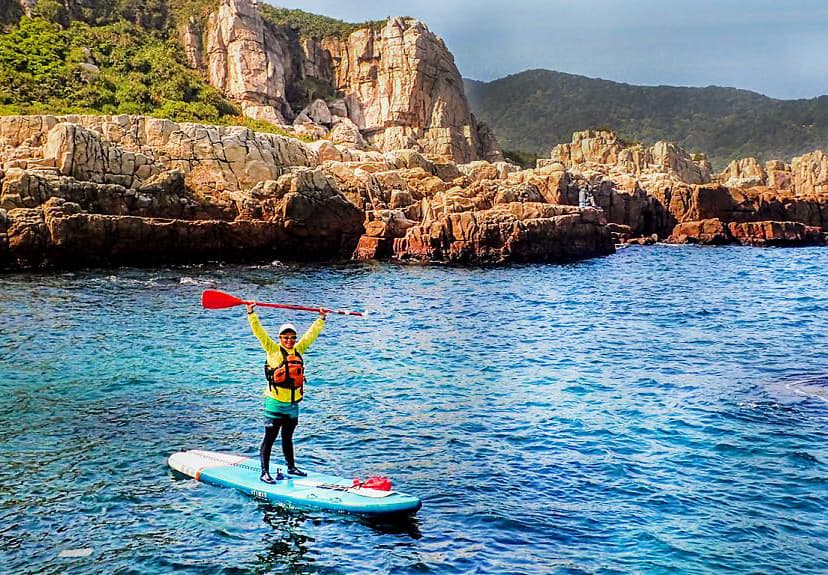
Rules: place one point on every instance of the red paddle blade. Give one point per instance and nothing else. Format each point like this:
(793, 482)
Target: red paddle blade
(214, 299)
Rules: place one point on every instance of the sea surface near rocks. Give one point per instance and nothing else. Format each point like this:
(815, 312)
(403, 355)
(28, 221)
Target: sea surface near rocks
(662, 410)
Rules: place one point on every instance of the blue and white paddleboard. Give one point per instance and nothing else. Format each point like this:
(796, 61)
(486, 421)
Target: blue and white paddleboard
(317, 490)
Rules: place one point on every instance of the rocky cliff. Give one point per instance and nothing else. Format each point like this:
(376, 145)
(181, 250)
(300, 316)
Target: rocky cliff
(397, 86)
(79, 190)
(124, 189)
(666, 192)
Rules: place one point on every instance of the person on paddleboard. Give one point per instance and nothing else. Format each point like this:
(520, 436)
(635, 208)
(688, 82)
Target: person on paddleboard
(285, 374)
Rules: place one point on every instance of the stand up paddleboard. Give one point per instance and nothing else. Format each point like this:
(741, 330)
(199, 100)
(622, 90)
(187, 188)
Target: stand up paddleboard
(316, 490)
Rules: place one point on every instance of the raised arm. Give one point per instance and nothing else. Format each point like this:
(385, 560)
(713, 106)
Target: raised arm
(313, 332)
(268, 344)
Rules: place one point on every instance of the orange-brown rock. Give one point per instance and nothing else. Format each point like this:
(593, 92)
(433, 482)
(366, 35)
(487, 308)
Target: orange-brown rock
(810, 174)
(378, 240)
(706, 232)
(757, 233)
(60, 233)
(776, 234)
(651, 190)
(516, 232)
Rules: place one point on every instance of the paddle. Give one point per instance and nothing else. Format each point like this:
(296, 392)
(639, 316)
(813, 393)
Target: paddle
(214, 299)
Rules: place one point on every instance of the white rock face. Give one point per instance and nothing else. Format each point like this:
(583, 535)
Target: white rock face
(129, 150)
(82, 154)
(246, 60)
(346, 132)
(405, 89)
(266, 113)
(744, 173)
(318, 113)
(602, 152)
(190, 37)
(399, 85)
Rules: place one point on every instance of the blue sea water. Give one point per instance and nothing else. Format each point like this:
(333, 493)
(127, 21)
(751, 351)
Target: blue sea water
(662, 410)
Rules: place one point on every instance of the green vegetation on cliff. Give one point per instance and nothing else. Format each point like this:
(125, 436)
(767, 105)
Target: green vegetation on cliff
(112, 68)
(314, 26)
(124, 56)
(532, 111)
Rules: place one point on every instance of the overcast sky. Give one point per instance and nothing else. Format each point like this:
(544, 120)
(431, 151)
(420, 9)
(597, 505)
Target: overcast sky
(776, 48)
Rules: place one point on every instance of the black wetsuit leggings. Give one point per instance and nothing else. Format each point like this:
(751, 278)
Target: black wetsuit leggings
(272, 427)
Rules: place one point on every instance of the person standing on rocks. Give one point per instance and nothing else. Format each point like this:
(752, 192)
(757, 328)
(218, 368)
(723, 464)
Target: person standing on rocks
(585, 197)
(285, 374)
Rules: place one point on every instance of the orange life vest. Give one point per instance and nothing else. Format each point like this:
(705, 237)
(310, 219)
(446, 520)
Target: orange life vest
(288, 379)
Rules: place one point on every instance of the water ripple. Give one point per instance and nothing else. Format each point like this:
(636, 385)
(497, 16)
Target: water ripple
(661, 410)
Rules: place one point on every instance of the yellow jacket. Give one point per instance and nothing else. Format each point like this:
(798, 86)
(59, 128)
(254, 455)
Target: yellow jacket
(274, 352)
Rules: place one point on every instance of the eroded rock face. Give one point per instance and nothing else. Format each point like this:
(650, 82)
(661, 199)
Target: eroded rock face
(776, 234)
(247, 60)
(82, 154)
(810, 174)
(400, 84)
(132, 189)
(706, 232)
(745, 173)
(58, 233)
(127, 150)
(652, 190)
(757, 233)
(602, 152)
(83, 189)
(508, 232)
(405, 91)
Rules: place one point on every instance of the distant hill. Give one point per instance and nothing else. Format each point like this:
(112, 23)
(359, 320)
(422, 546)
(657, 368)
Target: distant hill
(532, 111)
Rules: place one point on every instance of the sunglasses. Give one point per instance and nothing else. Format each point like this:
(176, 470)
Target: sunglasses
(288, 337)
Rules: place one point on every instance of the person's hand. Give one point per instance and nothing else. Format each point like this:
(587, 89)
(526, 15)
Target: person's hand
(323, 312)
(251, 307)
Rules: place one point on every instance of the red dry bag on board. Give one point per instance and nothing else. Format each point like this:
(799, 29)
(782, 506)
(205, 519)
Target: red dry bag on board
(378, 483)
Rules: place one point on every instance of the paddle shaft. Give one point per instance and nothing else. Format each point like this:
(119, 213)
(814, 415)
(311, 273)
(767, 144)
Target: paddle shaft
(214, 299)
(303, 308)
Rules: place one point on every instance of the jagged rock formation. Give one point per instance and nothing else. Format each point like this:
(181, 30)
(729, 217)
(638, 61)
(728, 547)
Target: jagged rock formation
(603, 152)
(763, 233)
(98, 189)
(118, 189)
(652, 191)
(247, 60)
(403, 87)
(744, 173)
(215, 160)
(399, 84)
(521, 232)
(805, 176)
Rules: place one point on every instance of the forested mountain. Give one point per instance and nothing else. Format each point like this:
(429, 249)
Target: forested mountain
(532, 111)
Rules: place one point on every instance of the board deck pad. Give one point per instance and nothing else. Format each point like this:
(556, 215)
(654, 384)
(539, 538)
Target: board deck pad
(318, 490)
